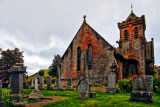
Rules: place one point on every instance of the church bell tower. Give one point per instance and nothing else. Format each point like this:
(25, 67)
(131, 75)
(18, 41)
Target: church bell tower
(132, 44)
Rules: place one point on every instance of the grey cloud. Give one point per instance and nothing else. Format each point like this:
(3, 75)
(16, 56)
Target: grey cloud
(42, 28)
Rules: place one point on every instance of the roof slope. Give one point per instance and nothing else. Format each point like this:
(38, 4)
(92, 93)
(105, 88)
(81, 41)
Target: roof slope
(81, 28)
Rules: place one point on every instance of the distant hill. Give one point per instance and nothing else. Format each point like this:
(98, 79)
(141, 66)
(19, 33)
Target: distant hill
(45, 74)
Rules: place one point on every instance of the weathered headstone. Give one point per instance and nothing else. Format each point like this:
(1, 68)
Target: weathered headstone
(36, 83)
(111, 82)
(58, 84)
(9, 82)
(1, 102)
(26, 84)
(69, 86)
(16, 87)
(92, 94)
(49, 83)
(41, 83)
(142, 89)
(83, 89)
(158, 73)
(32, 83)
(35, 94)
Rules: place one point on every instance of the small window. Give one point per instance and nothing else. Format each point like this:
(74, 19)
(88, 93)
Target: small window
(89, 56)
(78, 58)
(135, 33)
(125, 35)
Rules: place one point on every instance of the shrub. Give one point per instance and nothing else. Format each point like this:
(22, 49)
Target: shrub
(53, 81)
(41, 72)
(157, 89)
(96, 85)
(125, 84)
(156, 85)
(64, 86)
(75, 86)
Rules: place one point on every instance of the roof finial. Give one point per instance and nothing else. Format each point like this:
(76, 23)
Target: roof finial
(84, 18)
(131, 8)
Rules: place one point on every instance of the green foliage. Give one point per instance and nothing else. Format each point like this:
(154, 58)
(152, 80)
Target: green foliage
(64, 86)
(156, 81)
(53, 71)
(53, 81)
(156, 85)
(56, 62)
(75, 86)
(97, 85)
(10, 58)
(157, 89)
(41, 72)
(125, 84)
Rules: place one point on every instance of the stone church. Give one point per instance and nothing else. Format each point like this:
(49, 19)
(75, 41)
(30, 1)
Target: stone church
(134, 56)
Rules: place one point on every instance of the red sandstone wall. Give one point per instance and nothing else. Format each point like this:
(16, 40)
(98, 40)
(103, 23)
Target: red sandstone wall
(134, 48)
(102, 55)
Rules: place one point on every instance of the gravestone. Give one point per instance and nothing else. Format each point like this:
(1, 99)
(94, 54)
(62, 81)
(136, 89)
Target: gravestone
(92, 94)
(58, 84)
(35, 94)
(32, 83)
(142, 89)
(41, 83)
(111, 83)
(83, 89)
(26, 84)
(16, 86)
(35, 83)
(1, 102)
(9, 82)
(83, 84)
(158, 73)
(49, 83)
(69, 86)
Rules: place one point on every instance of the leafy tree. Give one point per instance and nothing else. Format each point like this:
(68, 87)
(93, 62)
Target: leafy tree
(41, 72)
(10, 58)
(56, 62)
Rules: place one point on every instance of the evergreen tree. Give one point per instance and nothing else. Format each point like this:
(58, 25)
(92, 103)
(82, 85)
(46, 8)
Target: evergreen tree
(10, 58)
(56, 62)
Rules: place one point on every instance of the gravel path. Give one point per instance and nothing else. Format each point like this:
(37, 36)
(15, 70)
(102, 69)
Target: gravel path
(39, 104)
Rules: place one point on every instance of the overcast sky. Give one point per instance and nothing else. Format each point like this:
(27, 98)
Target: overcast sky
(42, 28)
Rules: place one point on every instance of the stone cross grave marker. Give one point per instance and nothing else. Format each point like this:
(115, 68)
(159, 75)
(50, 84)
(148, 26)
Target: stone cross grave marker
(35, 94)
(59, 85)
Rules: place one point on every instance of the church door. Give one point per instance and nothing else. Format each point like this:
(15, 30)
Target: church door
(131, 68)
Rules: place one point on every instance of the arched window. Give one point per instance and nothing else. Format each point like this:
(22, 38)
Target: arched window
(78, 58)
(135, 33)
(125, 35)
(90, 56)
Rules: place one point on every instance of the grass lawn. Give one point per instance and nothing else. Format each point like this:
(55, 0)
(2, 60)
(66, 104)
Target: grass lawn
(101, 100)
